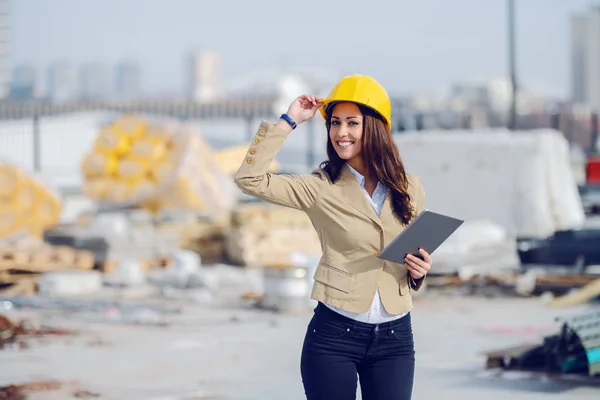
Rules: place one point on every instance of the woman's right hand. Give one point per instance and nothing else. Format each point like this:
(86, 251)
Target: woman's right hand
(304, 108)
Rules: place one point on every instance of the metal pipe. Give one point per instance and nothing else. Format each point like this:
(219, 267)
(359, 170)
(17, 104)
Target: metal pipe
(36, 144)
(250, 128)
(512, 61)
(595, 136)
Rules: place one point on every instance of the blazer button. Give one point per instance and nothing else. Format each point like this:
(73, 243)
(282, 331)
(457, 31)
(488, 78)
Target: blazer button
(253, 151)
(261, 132)
(257, 140)
(378, 229)
(249, 160)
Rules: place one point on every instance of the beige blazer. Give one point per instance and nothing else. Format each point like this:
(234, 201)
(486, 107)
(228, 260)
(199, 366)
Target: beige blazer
(350, 231)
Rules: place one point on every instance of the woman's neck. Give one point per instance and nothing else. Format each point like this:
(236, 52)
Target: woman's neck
(358, 165)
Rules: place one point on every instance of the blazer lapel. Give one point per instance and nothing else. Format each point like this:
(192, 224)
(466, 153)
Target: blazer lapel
(387, 210)
(355, 197)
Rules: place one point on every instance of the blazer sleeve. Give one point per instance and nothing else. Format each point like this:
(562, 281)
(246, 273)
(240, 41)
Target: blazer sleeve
(416, 284)
(289, 190)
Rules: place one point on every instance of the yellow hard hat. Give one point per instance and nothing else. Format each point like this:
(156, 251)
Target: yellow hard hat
(363, 90)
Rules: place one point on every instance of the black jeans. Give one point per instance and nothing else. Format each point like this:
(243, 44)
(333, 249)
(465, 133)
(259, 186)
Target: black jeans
(337, 349)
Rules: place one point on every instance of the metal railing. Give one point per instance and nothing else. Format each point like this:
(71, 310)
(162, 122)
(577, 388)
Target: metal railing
(23, 137)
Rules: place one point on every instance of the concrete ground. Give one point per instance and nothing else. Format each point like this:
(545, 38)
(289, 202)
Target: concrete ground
(240, 353)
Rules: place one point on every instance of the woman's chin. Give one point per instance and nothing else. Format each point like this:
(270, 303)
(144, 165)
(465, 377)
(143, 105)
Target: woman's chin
(344, 155)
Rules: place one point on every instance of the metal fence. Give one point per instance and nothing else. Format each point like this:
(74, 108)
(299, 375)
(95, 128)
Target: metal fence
(54, 145)
(53, 141)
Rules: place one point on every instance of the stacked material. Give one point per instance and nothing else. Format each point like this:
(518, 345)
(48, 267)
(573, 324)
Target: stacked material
(521, 181)
(116, 237)
(22, 262)
(26, 204)
(203, 236)
(158, 165)
(263, 234)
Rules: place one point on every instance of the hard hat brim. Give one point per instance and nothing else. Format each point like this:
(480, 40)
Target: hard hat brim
(328, 102)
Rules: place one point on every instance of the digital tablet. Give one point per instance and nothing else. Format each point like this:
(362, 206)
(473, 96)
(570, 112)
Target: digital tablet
(427, 231)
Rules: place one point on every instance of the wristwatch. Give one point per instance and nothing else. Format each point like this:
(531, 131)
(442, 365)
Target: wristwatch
(289, 120)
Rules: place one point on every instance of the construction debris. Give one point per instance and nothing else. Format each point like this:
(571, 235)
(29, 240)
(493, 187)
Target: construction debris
(14, 334)
(85, 394)
(204, 236)
(574, 350)
(478, 245)
(21, 391)
(97, 310)
(115, 237)
(520, 282)
(69, 283)
(590, 291)
(575, 248)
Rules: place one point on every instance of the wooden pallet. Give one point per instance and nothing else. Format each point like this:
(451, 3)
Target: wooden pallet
(44, 258)
(22, 287)
(21, 264)
(110, 266)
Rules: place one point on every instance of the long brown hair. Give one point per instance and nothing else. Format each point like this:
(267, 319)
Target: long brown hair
(380, 158)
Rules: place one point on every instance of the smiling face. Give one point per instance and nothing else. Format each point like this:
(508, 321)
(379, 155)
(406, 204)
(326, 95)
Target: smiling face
(346, 131)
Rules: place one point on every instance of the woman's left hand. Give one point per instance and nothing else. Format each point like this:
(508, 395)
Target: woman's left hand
(418, 268)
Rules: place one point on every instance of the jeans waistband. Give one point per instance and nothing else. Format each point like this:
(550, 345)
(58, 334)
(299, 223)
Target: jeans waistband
(325, 312)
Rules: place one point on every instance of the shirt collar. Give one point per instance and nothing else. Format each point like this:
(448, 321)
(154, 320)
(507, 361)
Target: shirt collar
(361, 179)
(357, 175)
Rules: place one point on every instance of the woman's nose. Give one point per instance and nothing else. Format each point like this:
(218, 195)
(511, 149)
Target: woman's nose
(343, 130)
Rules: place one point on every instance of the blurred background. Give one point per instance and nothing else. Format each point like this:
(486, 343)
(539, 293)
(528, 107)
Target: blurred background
(125, 246)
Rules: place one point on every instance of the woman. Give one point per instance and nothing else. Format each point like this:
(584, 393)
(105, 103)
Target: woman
(358, 201)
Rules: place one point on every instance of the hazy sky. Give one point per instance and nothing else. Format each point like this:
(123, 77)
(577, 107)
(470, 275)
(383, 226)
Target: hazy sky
(408, 45)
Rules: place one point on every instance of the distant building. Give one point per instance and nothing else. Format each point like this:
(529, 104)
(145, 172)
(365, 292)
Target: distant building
(129, 77)
(5, 48)
(62, 82)
(578, 57)
(96, 81)
(585, 58)
(202, 82)
(24, 83)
